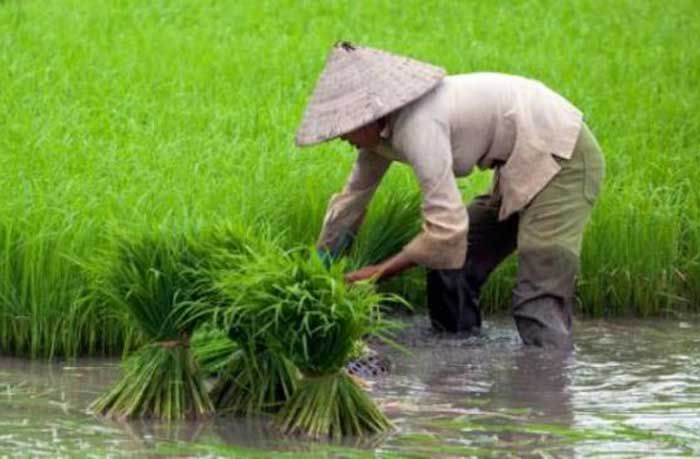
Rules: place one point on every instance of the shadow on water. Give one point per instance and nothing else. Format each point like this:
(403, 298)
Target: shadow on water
(630, 388)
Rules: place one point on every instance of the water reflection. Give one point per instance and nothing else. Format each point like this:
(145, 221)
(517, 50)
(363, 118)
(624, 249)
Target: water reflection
(476, 392)
(538, 383)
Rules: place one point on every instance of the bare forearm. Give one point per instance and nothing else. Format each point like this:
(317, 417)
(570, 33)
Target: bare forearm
(395, 265)
(384, 270)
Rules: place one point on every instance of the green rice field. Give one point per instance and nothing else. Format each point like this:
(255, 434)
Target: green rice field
(120, 117)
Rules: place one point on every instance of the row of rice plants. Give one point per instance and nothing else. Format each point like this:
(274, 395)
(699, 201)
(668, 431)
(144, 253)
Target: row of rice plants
(46, 308)
(49, 272)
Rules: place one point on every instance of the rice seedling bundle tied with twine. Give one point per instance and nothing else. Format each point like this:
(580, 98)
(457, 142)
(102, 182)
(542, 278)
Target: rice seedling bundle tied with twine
(256, 379)
(250, 379)
(305, 312)
(213, 350)
(151, 279)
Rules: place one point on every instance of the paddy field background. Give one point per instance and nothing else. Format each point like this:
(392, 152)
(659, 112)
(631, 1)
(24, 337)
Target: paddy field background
(120, 116)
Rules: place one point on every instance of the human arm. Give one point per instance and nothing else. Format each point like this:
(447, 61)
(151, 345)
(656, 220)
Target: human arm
(384, 270)
(442, 243)
(346, 209)
(424, 143)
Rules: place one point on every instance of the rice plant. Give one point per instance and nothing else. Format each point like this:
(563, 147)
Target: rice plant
(152, 278)
(213, 350)
(249, 379)
(256, 380)
(396, 221)
(43, 307)
(299, 309)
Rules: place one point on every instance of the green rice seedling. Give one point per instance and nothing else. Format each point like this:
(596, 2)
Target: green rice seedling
(251, 380)
(256, 380)
(387, 230)
(162, 381)
(152, 279)
(212, 350)
(308, 314)
(42, 288)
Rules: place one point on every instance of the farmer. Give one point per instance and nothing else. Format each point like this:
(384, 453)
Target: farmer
(547, 166)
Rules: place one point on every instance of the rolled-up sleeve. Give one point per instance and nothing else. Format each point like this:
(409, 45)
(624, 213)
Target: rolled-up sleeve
(425, 145)
(347, 208)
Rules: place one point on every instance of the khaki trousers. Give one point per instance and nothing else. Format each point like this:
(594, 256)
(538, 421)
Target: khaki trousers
(547, 235)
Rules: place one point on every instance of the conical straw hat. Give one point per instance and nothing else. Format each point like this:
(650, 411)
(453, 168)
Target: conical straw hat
(360, 85)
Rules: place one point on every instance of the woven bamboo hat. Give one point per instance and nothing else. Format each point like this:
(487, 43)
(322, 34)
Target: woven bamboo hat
(360, 85)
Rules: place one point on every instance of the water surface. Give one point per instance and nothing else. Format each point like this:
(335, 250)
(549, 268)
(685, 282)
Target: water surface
(631, 388)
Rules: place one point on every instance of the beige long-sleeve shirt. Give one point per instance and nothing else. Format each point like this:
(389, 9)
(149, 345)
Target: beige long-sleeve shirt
(484, 120)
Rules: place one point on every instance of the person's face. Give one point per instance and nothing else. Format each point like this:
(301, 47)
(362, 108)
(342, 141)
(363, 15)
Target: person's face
(366, 137)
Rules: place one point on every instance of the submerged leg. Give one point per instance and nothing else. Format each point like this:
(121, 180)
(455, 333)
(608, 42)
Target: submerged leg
(549, 245)
(453, 294)
(452, 302)
(543, 298)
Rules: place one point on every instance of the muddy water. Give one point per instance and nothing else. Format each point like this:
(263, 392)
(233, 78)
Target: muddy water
(630, 389)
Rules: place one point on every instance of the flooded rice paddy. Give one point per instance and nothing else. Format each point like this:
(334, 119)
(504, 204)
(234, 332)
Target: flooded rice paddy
(630, 389)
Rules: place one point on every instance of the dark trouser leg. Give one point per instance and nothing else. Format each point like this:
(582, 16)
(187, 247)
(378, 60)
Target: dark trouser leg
(452, 302)
(453, 294)
(549, 245)
(543, 298)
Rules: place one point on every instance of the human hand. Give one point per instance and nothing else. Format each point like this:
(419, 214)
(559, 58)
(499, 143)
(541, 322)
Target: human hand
(364, 273)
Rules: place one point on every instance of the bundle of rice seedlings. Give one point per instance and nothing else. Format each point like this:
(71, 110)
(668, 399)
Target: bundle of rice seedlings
(255, 381)
(219, 249)
(308, 314)
(152, 279)
(251, 380)
(213, 350)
